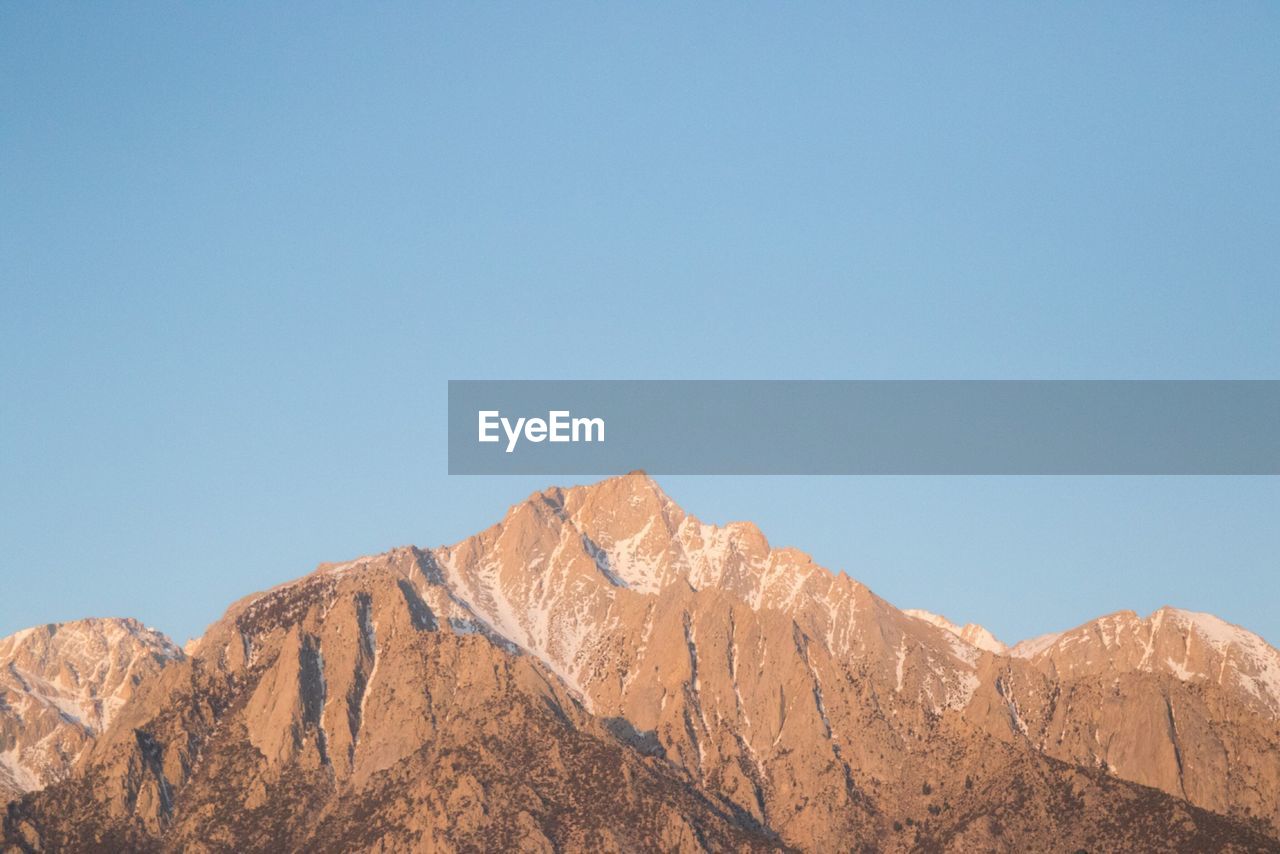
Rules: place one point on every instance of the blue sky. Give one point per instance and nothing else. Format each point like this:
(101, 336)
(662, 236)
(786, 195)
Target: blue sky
(242, 250)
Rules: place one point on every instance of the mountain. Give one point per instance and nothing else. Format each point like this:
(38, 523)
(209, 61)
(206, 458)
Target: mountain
(62, 684)
(601, 670)
(1198, 649)
(971, 633)
(1181, 701)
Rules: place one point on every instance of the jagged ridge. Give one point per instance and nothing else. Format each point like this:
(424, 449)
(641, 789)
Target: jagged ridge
(793, 703)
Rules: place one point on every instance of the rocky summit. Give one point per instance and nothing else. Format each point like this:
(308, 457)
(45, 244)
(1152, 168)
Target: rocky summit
(61, 686)
(601, 671)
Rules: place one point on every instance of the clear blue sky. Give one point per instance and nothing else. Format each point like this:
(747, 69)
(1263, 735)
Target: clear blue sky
(242, 249)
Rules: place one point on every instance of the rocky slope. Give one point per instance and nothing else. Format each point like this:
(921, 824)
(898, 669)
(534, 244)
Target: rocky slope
(971, 633)
(335, 714)
(1180, 701)
(601, 670)
(60, 685)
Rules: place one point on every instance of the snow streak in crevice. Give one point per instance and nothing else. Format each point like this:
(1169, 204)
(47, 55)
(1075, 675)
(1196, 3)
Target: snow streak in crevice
(311, 688)
(365, 668)
(732, 651)
(802, 647)
(693, 690)
(1011, 704)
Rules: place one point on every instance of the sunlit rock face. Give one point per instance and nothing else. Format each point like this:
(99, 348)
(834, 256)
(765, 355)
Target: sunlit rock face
(600, 670)
(60, 686)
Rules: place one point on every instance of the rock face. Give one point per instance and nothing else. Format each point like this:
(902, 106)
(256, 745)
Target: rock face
(62, 684)
(1180, 701)
(971, 633)
(602, 671)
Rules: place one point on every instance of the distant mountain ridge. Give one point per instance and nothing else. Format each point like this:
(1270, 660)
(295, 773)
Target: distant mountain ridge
(970, 633)
(61, 685)
(752, 700)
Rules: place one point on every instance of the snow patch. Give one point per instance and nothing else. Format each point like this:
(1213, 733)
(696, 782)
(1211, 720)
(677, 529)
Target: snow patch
(1031, 647)
(971, 633)
(23, 777)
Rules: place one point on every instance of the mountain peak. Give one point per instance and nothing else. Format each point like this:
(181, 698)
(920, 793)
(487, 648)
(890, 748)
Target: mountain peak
(633, 488)
(598, 627)
(971, 633)
(1192, 646)
(61, 684)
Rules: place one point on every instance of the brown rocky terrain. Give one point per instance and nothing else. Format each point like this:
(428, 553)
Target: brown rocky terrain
(602, 671)
(1180, 701)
